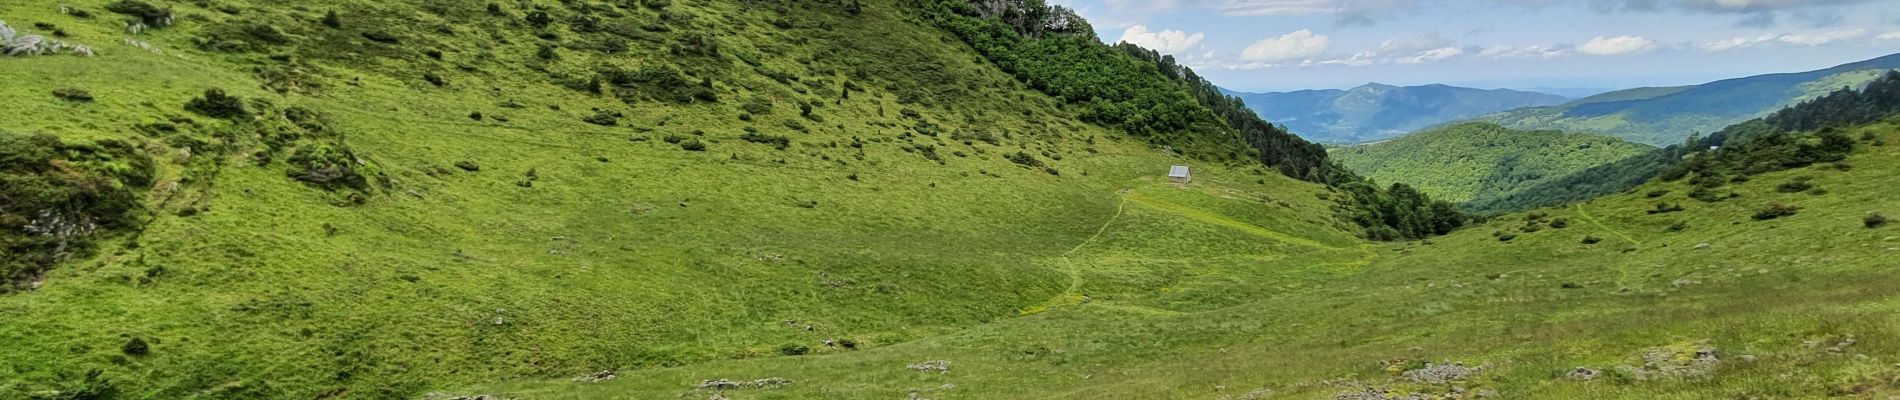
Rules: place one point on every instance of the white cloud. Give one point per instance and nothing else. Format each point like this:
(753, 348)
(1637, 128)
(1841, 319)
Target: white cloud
(1895, 35)
(1821, 38)
(1292, 46)
(1359, 59)
(1797, 39)
(1617, 45)
(1166, 41)
(1532, 51)
(1433, 55)
(1420, 42)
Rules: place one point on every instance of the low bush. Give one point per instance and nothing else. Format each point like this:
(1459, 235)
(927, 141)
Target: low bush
(1874, 220)
(777, 141)
(1797, 185)
(1664, 208)
(693, 145)
(603, 118)
(73, 95)
(56, 198)
(143, 12)
(216, 104)
(1023, 159)
(1776, 210)
(1592, 240)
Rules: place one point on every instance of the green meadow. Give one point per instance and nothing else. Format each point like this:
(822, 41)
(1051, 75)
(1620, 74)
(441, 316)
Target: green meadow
(814, 202)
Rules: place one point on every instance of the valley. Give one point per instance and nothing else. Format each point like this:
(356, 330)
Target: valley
(878, 199)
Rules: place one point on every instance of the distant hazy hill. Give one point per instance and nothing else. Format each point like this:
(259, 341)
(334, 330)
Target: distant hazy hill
(1463, 161)
(1663, 116)
(1375, 111)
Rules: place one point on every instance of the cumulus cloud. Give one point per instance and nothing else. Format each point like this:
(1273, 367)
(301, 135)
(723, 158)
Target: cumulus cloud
(1292, 46)
(1166, 41)
(1751, 6)
(1617, 45)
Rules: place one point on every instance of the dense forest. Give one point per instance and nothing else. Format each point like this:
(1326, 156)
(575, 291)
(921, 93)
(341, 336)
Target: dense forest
(1152, 97)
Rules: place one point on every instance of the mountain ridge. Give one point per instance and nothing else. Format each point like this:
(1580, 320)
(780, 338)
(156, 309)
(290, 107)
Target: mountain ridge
(1661, 116)
(1376, 111)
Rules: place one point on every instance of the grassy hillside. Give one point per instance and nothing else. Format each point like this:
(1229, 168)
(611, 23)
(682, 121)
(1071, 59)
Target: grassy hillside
(350, 199)
(1376, 112)
(1464, 161)
(1601, 299)
(1665, 116)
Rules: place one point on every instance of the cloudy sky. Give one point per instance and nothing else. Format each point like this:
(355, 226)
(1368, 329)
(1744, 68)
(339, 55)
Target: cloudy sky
(1264, 45)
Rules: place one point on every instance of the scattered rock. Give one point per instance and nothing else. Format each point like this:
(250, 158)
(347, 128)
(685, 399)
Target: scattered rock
(1702, 246)
(447, 396)
(939, 366)
(1680, 360)
(602, 376)
(1583, 374)
(726, 384)
(1680, 282)
(1439, 374)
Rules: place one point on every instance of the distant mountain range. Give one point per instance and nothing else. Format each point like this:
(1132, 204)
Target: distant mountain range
(1376, 112)
(1668, 115)
(1465, 161)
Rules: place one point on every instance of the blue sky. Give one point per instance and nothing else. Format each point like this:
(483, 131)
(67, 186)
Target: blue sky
(1272, 45)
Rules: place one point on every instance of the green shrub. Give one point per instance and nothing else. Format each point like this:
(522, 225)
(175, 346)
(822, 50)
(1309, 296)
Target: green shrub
(603, 118)
(779, 142)
(793, 349)
(136, 347)
(216, 104)
(1507, 237)
(330, 167)
(382, 37)
(693, 145)
(143, 12)
(1658, 193)
(56, 198)
(1023, 159)
(1592, 240)
(1664, 208)
(757, 105)
(1874, 220)
(1776, 210)
(1560, 223)
(1797, 185)
(73, 95)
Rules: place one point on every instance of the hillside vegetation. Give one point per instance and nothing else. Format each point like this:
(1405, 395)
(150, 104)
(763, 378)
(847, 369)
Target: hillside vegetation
(1666, 116)
(1780, 147)
(1376, 112)
(357, 199)
(1464, 161)
(1603, 299)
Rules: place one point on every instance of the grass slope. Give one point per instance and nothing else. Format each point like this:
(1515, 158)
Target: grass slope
(1464, 161)
(1665, 116)
(1707, 302)
(568, 245)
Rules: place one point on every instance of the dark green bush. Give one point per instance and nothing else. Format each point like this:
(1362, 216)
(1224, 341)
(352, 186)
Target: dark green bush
(793, 349)
(777, 141)
(1797, 185)
(1776, 210)
(1874, 220)
(216, 104)
(1592, 240)
(693, 145)
(73, 95)
(603, 118)
(56, 198)
(136, 347)
(143, 12)
(330, 167)
(1023, 159)
(1664, 208)
(382, 37)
